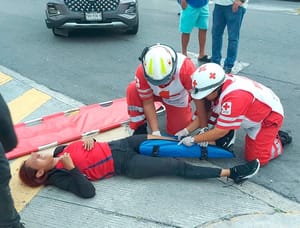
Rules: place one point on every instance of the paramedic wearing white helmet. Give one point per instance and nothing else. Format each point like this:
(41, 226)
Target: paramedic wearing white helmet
(164, 76)
(239, 102)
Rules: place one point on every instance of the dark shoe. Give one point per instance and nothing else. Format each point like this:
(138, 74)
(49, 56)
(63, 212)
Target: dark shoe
(141, 130)
(285, 138)
(241, 173)
(227, 141)
(19, 225)
(227, 70)
(204, 59)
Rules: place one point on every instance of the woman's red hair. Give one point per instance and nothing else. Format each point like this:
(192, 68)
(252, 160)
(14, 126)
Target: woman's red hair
(28, 176)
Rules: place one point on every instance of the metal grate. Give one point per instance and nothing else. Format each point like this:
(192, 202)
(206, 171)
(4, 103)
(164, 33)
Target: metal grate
(92, 5)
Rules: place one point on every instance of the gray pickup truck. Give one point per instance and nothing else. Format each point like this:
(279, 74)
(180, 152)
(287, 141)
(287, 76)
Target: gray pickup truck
(66, 15)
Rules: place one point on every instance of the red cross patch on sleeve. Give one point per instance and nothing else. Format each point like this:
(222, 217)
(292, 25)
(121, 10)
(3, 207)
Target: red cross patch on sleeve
(226, 108)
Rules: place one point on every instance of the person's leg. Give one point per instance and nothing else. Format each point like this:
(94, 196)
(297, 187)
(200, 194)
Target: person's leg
(185, 38)
(234, 22)
(186, 24)
(9, 217)
(267, 144)
(202, 42)
(135, 109)
(140, 166)
(202, 24)
(218, 26)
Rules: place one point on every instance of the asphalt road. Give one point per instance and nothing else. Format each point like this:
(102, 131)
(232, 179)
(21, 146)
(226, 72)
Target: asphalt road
(92, 66)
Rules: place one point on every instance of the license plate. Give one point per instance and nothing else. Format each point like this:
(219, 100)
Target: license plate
(93, 16)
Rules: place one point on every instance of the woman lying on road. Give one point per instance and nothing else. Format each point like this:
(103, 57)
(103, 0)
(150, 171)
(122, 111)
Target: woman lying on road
(71, 167)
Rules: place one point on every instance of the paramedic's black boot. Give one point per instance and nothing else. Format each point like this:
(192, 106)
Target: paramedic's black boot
(241, 173)
(141, 130)
(285, 138)
(227, 141)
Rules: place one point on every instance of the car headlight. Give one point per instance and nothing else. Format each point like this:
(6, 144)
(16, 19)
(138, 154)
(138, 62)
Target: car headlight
(52, 10)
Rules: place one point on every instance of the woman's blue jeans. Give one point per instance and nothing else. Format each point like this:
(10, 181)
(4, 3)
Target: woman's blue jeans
(222, 17)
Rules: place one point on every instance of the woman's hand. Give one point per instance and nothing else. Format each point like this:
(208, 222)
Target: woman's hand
(236, 5)
(183, 4)
(88, 144)
(67, 161)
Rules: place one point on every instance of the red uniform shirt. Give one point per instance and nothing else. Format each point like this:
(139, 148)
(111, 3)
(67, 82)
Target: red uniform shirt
(244, 103)
(96, 163)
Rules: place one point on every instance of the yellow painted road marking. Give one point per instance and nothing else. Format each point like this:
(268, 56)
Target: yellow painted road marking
(24, 105)
(4, 78)
(20, 108)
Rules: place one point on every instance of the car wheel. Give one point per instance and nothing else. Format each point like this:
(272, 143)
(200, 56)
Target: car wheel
(134, 29)
(60, 32)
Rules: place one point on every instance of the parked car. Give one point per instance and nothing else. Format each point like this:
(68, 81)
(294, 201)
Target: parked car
(66, 15)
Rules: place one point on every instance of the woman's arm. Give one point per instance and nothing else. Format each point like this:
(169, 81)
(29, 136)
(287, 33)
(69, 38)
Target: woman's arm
(72, 181)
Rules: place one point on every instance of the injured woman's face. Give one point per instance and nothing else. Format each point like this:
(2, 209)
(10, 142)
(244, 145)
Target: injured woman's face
(40, 161)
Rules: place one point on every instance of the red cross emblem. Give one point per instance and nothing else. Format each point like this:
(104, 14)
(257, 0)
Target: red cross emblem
(212, 75)
(202, 68)
(226, 106)
(195, 83)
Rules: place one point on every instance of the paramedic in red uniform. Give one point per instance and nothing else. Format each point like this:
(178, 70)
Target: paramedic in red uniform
(239, 102)
(72, 167)
(164, 76)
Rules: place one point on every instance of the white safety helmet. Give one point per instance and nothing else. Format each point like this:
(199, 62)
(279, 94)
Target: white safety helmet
(159, 63)
(206, 79)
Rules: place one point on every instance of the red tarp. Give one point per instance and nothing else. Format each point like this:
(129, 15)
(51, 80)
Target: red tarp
(68, 126)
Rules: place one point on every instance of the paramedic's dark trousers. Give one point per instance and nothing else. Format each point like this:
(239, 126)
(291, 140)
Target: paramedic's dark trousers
(9, 217)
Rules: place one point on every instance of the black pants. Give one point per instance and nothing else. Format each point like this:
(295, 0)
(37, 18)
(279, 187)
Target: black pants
(130, 163)
(9, 217)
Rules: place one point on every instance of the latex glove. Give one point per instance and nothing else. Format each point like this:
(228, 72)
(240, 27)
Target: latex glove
(203, 130)
(188, 141)
(182, 133)
(157, 133)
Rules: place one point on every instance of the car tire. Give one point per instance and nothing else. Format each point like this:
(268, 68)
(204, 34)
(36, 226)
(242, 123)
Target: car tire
(60, 32)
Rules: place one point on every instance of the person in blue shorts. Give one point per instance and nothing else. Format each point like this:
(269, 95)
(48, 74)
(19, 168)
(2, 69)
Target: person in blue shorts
(194, 13)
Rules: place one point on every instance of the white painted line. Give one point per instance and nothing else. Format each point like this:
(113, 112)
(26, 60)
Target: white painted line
(238, 66)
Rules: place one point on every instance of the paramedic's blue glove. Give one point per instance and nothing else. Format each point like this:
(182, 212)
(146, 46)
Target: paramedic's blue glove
(182, 133)
(188, 141)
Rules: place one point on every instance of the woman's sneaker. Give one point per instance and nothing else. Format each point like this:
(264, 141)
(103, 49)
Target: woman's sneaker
(241, 173)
